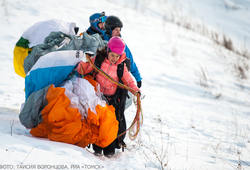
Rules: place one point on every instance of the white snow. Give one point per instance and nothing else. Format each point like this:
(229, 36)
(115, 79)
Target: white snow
(196, 109)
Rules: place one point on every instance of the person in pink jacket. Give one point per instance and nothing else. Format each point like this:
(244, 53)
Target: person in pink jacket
(111, 56)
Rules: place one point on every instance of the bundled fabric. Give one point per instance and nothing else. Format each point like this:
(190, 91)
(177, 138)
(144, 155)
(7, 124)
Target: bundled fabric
(53, 61)
(52, 68)
(35, 35)
(60, 106)
(58, 41)
(30, 115)
(72, 114)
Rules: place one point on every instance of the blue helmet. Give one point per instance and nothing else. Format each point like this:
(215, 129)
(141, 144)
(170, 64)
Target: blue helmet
(95, 19)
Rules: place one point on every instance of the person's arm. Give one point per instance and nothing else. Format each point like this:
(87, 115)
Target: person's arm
(85, 68)
(128, 80)
(133, 68)
(106, 37)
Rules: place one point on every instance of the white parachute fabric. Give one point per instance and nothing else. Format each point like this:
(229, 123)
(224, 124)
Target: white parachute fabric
(52, 68)
(37, 33)
(82, 95)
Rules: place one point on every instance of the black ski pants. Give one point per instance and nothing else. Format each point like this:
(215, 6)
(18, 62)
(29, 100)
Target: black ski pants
(119, 105)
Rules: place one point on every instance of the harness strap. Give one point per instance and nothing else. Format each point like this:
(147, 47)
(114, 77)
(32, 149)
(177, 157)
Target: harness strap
(120, 69)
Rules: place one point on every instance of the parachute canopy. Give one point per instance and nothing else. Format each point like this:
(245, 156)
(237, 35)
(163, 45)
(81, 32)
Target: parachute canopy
(59, 105)
(35, 35)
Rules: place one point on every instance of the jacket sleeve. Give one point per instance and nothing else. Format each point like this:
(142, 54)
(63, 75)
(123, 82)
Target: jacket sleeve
(85, 68)
(129, 80)
(133, 68)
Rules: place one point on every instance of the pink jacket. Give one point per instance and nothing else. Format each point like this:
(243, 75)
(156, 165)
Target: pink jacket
(107, 87)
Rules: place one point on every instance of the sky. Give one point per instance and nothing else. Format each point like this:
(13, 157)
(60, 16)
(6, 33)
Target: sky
(196, 105)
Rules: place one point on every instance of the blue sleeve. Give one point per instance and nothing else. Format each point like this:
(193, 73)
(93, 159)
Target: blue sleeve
(106, 37)
(133, 68)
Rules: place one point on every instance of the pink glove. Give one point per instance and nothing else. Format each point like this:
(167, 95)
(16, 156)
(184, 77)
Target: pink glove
(80, 68)
(84, 68)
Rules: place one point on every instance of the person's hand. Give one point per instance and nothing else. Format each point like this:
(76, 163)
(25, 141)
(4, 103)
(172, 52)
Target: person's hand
(80, 68)
(141, 96)
(90, 53)
(139, 84)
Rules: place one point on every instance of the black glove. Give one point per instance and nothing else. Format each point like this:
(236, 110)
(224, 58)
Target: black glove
(139, 84)
(76, 29)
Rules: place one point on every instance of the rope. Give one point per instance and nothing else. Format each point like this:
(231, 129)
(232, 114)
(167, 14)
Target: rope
(135, 125)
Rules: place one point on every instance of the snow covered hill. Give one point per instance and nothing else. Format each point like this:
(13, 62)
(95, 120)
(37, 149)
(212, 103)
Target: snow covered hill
(196, 109)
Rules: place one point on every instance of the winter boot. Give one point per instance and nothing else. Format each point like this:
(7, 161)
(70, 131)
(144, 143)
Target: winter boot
(109, 151)
(97, 149)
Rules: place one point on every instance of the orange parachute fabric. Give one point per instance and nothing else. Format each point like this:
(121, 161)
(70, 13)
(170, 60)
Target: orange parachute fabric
(92, 81)
(64, 124)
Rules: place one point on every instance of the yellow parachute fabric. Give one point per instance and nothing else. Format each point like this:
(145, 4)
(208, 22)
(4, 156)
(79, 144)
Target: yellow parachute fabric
(35, 35)
(20, 52)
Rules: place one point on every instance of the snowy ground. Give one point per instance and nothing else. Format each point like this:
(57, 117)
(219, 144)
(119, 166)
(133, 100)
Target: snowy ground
(196, 109)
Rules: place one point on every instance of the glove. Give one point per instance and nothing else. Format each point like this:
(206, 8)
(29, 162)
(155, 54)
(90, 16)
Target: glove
(90, 53)
(135, 97)
(139, 84)
(80, 68)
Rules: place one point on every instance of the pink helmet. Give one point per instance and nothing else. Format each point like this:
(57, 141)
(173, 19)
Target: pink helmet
(116, 45)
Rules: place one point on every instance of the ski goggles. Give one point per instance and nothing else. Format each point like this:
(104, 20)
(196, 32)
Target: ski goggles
(101, 19)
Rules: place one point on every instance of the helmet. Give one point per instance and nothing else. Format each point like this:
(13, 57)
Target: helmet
(116, 45)
(95, 19)
(110, 24)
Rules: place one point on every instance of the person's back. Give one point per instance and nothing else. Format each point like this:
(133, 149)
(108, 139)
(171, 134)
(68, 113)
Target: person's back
(113, 27)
